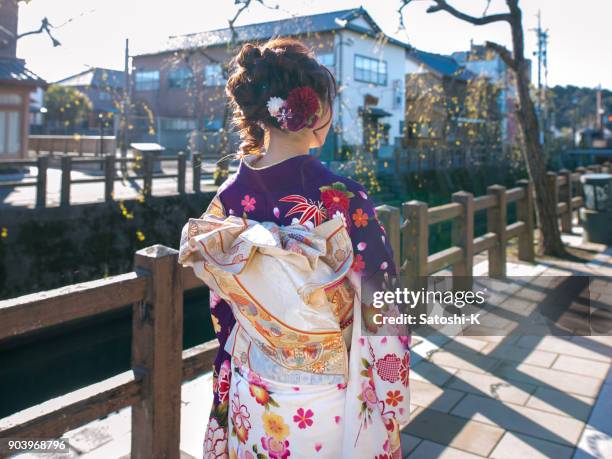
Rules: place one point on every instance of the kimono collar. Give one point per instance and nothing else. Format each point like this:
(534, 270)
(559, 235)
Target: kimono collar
(287, 172)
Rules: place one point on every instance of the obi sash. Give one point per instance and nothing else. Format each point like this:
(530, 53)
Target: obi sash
(287, 286)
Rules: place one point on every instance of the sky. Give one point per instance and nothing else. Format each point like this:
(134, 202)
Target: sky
(93, 32)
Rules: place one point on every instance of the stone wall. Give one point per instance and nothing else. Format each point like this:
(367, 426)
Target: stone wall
(42, 249)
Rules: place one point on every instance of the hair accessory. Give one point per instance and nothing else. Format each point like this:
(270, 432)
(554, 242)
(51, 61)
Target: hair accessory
(301, 109)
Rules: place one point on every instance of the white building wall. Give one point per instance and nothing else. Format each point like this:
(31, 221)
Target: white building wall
(390, 96)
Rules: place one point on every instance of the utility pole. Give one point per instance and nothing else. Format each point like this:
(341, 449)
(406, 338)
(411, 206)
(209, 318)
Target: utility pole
(542, 55)
(599, 111)
(125, 108)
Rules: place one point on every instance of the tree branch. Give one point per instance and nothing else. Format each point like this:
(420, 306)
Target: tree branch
(244, 4)
(44, 27)
(442, 5)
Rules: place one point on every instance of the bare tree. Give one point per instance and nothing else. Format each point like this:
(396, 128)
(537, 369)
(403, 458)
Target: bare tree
(550, 241)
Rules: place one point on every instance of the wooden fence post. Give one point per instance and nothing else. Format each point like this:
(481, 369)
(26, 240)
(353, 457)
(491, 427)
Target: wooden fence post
(157, 344)
(552, 189)
(415, 245)
(524, 211)
(196, 164)
(109, 177)
(182, 163)
(463, 236)
(496, 223)
(566, 196)
(41, 181)
(66, 172)
(389, 216)
(148, 175)
(579, 192)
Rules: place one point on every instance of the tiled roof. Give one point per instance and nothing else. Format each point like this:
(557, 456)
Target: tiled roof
(96, 77)
(316, 23)
(14, 71)
(444, 65)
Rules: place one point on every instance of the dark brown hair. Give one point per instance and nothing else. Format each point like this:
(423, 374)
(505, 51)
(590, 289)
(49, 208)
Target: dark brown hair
(272, 70)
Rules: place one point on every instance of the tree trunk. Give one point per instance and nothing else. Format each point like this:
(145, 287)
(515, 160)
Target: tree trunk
(546, 212)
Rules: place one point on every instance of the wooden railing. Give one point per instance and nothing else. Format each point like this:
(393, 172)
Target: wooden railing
(152, 387)
(155, 290)
(408, 228)
(78, 144)
(108, 163)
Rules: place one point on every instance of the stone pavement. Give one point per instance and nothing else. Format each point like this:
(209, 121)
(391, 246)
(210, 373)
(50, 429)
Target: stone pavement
(472, 397)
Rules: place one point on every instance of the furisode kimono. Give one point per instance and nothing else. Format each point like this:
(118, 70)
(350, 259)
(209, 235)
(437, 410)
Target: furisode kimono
(287, 251)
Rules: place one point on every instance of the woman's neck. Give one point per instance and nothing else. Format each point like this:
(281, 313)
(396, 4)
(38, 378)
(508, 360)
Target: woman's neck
(281, 148)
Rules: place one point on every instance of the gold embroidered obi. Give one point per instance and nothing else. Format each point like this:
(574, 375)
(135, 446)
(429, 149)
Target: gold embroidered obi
(287, 287)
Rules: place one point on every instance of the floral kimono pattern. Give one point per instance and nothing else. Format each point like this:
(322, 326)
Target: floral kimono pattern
(292, 253)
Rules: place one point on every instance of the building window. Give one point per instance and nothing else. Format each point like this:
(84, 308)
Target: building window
(147, 80)
(178, 124)
(327, 59)
(213, 75)
(370, 70)
(180, 78)
(10, 132)
(10, 99)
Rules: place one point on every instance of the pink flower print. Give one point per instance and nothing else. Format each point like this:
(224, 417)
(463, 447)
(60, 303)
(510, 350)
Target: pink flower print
(231, 211)
(384, 265)
(224, 381)
(368, 395)
(248, 203)
(240, 418)
(215, 442)
(337, 419)
(277, 449)
(363, 195)
(388, 368)
(276, 212)
(303, 418)
(318, 447)
(361, 246)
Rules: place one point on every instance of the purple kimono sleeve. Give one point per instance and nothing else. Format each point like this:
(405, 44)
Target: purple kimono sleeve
(373, 254)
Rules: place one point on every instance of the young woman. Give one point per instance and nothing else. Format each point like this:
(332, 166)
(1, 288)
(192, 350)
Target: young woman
(292, 253)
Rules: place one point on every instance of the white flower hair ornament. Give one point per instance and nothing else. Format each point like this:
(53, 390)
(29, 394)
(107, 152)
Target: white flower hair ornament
(301, 109)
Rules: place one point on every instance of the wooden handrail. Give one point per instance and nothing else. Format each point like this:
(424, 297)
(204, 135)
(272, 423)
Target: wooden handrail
(35, 311)
(108, 163)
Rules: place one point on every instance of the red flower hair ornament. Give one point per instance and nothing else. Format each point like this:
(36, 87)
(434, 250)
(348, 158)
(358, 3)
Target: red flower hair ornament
(301, 109)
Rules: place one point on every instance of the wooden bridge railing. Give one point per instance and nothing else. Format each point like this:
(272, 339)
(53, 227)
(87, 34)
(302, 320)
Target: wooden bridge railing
(108, 162)
(408, 229)
(152, 387)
